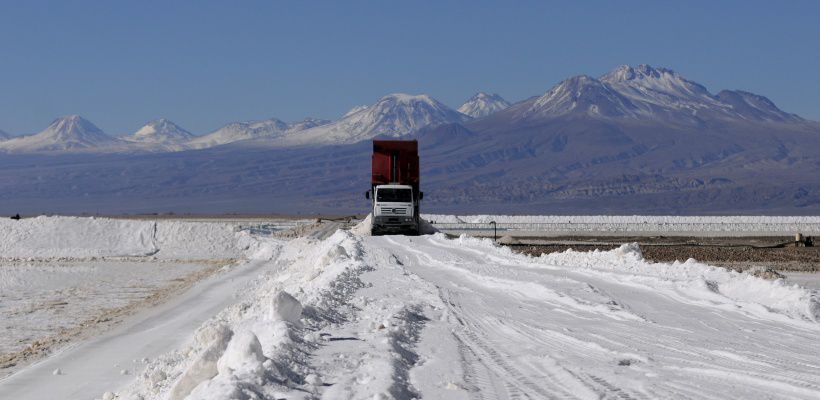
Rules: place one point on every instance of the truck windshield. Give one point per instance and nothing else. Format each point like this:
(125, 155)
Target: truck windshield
(394, 195)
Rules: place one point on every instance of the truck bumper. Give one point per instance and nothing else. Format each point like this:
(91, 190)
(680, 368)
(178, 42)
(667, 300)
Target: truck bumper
(394, 225)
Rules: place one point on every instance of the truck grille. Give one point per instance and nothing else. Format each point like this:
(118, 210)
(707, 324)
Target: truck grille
(393, 211)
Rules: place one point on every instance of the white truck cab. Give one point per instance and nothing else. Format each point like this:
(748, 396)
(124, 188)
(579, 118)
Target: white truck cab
(394, 209)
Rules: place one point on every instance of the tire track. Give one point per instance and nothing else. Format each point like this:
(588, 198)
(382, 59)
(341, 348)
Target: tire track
(567, 339)
(496, 374)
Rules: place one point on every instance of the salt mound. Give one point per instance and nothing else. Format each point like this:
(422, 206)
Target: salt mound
(243, 355)
(363, 228)
(426, 228)
(630, 250)
(204, 366)
(695, 280)
(196, 240)
(75, 237)
(507, 239)
(285, 307)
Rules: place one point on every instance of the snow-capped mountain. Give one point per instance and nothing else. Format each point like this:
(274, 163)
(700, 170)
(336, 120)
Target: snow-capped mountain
(160, 131)
(648, 94)
(4, 135)
(394, 115)
(483, 104)
(266, 129)
(66, 133)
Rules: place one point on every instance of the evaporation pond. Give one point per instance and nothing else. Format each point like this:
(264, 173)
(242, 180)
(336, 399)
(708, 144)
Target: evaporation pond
(41, 300)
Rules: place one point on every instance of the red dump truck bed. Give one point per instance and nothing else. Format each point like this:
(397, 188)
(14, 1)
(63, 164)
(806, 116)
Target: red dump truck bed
(397, 162)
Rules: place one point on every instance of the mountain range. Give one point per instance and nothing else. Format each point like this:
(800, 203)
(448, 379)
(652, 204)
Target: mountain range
(394, 115)
(634, 140)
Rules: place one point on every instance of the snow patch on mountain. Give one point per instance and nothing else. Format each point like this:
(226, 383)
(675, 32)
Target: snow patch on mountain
(237, 131)
(266, 129)
(306, 123)
(394, 115)
(483, 104)
(64, 134)
(4, 135)
(755, 107)
(355, 109)
(582, 94)
(660, 86)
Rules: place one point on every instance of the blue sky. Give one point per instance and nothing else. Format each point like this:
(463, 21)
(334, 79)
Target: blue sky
(205, 63)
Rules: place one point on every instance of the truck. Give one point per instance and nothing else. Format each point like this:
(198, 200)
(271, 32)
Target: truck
(394, 187)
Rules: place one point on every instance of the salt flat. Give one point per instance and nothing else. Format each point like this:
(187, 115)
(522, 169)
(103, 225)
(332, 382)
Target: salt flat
(355, 316)
(42, 301)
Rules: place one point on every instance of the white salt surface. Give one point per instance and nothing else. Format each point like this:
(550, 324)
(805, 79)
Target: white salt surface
(354, 316)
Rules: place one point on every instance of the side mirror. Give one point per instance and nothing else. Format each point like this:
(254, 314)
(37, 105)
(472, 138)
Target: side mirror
(367, 195)
(421, 195)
